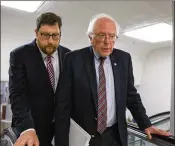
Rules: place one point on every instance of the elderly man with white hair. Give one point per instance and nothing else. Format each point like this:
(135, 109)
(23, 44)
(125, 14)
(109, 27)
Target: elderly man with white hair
(95, 88)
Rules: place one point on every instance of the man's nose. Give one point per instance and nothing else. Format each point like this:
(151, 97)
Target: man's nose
(107, 39)
(50, 40)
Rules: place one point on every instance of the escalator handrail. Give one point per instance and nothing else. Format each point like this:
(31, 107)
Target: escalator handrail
(162, 120)
(159, 114)
(153, 123)
(156, 139)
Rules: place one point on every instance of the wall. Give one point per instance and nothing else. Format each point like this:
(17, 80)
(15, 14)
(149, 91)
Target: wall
(155, 87)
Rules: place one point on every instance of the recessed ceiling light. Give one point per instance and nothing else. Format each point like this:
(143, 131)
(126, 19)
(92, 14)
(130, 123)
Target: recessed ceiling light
(154, 33)
(29, 6)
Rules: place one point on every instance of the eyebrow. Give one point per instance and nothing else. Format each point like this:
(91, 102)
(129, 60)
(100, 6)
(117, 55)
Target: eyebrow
(49, 32)
(105, 33)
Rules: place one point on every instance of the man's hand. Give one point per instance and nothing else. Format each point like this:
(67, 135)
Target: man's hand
(28, 138)
(155, 130)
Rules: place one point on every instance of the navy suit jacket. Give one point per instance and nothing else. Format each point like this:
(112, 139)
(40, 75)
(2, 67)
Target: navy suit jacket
(77, 94)
(31, 94)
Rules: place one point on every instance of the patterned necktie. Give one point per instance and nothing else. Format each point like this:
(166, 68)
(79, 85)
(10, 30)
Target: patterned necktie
(102, 102)
(50, 71)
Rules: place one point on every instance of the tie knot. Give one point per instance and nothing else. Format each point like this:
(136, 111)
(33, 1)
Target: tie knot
(49, 57)
(102, 59)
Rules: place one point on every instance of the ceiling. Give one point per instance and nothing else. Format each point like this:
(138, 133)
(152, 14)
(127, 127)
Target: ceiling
(18, 26)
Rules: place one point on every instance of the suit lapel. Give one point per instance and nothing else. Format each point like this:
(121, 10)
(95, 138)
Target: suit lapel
(115, 67)
(60, 55)
(90, 67)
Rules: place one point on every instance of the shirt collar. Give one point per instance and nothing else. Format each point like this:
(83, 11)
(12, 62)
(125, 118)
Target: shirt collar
(96, 55)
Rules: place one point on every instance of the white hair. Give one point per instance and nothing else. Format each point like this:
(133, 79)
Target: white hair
(98, 16)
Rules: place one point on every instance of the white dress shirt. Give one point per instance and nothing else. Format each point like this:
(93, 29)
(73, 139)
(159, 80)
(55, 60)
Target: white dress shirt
(55, 62)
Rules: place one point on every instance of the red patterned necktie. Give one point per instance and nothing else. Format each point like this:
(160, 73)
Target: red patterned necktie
(102, 102)
(50, 71)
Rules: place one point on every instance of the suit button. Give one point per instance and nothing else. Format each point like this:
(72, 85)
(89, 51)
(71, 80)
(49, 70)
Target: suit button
(95, 118)
(92, 136)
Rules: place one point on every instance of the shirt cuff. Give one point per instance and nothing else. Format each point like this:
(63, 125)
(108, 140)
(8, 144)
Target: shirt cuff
(31, 129)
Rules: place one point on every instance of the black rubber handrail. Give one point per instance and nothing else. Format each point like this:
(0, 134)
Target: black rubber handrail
(160, 114)
(161, 121)
(156, 139)
(155, 122)
(157, 116)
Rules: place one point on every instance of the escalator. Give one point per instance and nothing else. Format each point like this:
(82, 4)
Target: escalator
(137, 137)
(161, 120)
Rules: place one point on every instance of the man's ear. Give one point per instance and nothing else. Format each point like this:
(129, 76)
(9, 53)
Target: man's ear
(90, 37)
(36, 32)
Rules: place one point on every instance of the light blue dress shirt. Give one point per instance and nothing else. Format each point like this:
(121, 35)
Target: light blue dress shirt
(110, 90)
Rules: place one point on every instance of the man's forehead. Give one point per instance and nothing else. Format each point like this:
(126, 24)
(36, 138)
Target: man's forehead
(49, 25)
(50, 28)
(104, 26)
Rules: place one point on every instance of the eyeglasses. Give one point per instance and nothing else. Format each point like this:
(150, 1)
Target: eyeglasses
(102, 36)
(46, 36)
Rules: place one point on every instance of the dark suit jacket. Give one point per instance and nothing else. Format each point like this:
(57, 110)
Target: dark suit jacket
(31, 94)
(77, 94)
